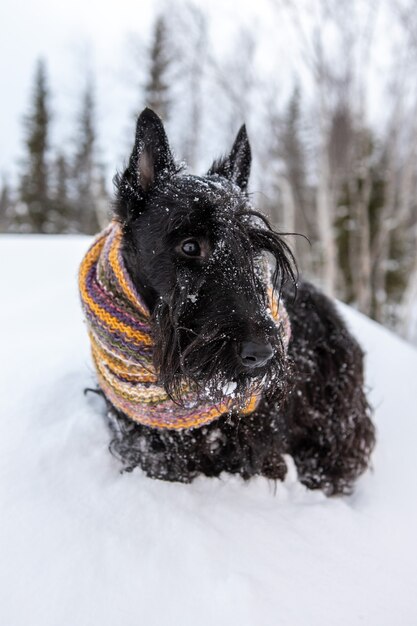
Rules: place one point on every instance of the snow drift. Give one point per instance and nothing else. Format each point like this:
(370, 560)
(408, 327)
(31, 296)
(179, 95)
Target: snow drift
(81, 543)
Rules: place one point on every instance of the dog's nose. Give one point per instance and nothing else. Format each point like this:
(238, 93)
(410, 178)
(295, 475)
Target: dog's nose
(255, 354)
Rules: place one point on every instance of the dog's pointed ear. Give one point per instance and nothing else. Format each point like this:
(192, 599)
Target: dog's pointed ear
(236, 166)
(151, 161)
(151, 158)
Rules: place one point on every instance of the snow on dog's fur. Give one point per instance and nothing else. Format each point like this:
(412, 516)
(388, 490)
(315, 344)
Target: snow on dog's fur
(193, 247)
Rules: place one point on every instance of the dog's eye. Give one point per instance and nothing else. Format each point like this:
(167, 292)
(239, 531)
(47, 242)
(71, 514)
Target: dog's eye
(191, 247)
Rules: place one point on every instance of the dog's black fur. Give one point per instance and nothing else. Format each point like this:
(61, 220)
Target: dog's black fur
(206, 306)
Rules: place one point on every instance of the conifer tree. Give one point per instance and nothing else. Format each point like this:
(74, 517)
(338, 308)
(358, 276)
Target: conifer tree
(5, 207)
(285, 161)
(293, 154)
(34, 184)
(66, 217)
(157, 84)
(85, 171)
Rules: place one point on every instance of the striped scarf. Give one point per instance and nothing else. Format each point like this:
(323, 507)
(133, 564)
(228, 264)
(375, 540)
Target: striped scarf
(118, 324)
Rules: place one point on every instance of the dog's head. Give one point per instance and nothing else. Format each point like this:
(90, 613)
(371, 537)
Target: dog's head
(195, 249)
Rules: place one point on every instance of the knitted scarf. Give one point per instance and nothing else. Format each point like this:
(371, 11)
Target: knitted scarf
(118, 324)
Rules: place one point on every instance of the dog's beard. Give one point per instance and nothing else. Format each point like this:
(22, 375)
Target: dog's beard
(191, 352)
(205, 361)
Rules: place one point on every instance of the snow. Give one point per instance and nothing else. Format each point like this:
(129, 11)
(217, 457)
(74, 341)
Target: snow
(81, 543)
(229, 388)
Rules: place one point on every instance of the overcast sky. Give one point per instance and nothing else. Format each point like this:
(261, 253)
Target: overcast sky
(81, 35)
(77, 36)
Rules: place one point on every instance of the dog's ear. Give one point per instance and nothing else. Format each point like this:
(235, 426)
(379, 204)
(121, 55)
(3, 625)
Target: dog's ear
(151, 158)
(236, 166)
(150, 162)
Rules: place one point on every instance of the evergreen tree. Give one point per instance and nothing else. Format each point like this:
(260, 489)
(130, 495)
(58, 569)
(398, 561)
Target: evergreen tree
(34, 184)
(5, 208)
(85, 171)
(292, 184)
(61, 178)
(293, 153)
(157, 84)
(368, 193)
(66, 219)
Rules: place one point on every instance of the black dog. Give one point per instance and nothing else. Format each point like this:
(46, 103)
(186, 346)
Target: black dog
(185, 235)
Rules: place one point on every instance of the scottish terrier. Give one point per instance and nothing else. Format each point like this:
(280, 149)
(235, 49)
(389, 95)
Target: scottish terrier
(208, 312)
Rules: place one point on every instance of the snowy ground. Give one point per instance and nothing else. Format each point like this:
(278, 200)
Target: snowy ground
(82, 544)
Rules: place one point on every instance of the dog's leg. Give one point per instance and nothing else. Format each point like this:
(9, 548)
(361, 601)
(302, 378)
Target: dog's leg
(245, 445)
(330, 433)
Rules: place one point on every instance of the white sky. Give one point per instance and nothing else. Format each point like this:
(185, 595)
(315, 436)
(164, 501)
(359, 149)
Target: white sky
(74, 37)
(81, 35)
